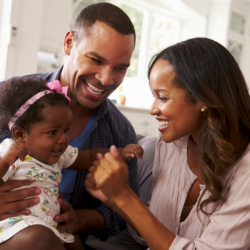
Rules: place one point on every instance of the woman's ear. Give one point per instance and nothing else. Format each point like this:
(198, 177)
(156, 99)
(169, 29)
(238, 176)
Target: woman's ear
(18, 133)
(203, 108)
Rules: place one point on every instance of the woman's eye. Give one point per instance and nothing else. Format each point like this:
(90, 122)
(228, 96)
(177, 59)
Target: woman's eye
(52, 132)
(163, 98)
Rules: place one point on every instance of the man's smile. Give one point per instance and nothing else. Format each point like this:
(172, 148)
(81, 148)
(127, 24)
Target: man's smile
(94, 90)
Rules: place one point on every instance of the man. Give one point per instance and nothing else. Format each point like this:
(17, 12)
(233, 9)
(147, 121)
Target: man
(98, 53)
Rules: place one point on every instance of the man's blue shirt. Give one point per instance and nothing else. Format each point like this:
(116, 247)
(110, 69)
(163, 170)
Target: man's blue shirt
(66, 187)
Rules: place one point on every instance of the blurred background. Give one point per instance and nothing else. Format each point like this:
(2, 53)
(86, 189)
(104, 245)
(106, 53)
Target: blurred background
(32, 34)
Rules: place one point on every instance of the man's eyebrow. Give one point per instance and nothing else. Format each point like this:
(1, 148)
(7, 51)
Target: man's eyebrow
(96, 55)
(126, 65)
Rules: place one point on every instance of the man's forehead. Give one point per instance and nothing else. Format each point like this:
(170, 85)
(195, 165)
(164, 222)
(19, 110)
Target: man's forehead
(101, 29)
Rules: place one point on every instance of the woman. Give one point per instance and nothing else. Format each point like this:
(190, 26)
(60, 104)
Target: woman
(201, 191)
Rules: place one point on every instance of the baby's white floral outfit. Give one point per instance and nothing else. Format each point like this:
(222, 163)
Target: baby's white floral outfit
(47, 178)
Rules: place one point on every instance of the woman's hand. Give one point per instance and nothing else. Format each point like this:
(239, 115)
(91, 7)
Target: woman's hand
(110, 177)
(13, 152)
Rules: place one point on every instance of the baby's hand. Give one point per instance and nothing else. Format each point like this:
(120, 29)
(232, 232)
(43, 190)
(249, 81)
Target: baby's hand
(130, 151)
(13, 152)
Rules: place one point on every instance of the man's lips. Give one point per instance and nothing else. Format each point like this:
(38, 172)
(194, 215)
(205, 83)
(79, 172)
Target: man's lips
(92, 89)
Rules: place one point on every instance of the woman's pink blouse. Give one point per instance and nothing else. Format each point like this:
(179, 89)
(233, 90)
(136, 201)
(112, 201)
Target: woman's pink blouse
(229, 225)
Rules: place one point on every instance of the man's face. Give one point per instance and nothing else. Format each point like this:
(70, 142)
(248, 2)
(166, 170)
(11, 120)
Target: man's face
(96, 66)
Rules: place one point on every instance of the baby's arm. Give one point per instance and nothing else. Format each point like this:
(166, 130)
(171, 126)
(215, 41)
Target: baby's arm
(10, 155)
(86, 157)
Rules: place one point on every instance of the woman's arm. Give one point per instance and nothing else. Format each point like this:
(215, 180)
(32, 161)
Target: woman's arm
(228, 226)
(111, 178)
(86, 157)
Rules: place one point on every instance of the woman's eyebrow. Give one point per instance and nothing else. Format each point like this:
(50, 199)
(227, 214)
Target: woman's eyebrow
(161, 90)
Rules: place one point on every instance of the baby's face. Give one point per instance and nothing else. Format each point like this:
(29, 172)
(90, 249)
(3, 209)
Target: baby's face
(48, 139)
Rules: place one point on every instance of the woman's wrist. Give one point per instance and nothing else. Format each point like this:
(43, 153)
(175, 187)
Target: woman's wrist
(123, 199)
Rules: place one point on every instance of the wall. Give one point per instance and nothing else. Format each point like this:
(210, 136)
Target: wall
(22, 46)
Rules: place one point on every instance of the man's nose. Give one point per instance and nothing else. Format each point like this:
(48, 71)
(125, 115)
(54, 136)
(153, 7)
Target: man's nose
(105, 76)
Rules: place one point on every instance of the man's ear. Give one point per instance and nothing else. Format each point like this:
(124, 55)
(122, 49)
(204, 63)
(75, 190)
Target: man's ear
(68, 42)
(18, 133)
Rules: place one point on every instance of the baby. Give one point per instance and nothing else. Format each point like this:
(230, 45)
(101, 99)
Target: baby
(38, 115)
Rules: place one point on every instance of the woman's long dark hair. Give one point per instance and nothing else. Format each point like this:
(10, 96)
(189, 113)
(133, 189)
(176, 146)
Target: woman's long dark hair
(210, 74)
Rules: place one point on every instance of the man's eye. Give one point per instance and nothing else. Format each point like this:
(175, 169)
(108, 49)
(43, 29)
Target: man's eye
(66, 130)
(121, 68)
(96, 60)
(52, 132)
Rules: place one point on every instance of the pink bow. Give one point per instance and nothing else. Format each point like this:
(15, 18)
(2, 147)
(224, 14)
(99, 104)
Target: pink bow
(56, 85)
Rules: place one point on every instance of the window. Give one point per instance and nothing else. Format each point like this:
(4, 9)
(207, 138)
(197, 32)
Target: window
(154, 32)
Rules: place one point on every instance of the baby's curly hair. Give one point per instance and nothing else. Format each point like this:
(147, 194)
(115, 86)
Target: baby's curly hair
(15, 92)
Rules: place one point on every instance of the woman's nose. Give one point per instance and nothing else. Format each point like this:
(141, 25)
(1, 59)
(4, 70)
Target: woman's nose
(154, 110)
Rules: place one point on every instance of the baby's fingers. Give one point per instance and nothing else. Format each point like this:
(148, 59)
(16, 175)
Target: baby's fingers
(129, 156)
(138, 152)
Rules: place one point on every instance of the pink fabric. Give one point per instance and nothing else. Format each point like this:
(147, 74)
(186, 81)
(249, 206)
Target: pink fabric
(53, 86)
(229, 225)
(56, 85)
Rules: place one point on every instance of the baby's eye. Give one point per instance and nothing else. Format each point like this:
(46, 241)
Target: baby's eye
(52, 132)
(66, 130)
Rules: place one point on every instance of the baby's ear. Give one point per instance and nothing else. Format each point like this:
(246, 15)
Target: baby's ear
(18, 133)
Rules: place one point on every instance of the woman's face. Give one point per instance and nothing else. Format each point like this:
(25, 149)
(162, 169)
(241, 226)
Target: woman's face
(176, 116)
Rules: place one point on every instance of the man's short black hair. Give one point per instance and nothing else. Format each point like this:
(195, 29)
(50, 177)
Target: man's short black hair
(107, 13)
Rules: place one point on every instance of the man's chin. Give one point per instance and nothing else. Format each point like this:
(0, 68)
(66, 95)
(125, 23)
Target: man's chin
(91, 104)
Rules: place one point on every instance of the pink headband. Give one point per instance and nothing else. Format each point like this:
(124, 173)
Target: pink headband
(54, 85)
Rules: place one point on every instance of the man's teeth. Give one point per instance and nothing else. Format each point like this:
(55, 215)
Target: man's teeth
(163, 123)
(93, 89)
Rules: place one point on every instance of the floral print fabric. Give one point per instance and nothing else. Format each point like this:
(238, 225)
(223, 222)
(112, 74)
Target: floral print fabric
(47, 178)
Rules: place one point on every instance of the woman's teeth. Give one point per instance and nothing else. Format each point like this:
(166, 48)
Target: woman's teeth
(93, 89)
(163, 123)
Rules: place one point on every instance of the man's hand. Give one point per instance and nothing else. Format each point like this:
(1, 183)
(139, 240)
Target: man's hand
(14, 201)
(69, 216)
(82, 220)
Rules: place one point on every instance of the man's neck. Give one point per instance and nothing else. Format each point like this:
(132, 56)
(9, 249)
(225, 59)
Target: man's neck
(81, 117)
